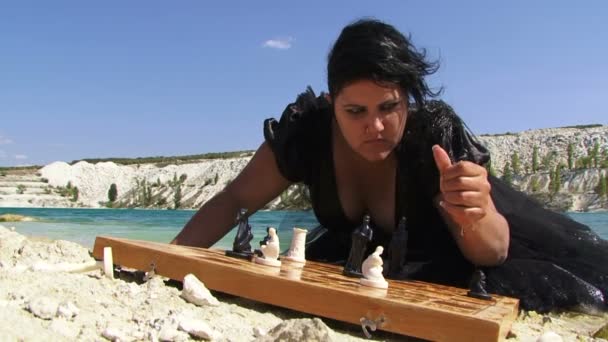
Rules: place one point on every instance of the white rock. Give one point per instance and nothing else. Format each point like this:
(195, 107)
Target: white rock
(115, 335)
(67, 310)
(43, 307)
(63, 327)
(170, 334)
(196, 293)
(304, 329)
(198, 328)
(259, 332)
(549, 336)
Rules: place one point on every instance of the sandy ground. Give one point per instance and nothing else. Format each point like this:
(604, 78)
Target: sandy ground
(45, 297)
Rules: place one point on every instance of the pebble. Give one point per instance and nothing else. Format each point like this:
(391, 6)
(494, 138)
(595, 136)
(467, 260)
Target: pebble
(196, 293)
(198, 328)
(115, 335)
(550, 336)
(67, 310)
(43, 307)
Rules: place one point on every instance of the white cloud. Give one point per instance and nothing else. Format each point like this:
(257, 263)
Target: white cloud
(5, 140)
(279, 43)
(20, 156)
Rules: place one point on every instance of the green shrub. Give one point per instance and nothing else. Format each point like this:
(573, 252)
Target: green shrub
(601, 187)
(75, 194)
(570, 156)
(515, 163)
(535, 184)
(20, 189)
(507, 175)
(112, 193)
(490, 168)
(535, 159)
(177, 197)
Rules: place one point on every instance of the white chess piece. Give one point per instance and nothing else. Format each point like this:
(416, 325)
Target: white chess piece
(372, 270)
(298, 245)
(270, 250)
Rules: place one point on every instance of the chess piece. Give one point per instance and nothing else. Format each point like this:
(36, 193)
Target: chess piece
(359, 239)
(241, 247)
(264, 241)
(397, 249)
(477, 287)
(372, 270)
(270, 250)
(298, 242)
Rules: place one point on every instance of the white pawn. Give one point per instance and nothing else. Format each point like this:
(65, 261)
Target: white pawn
(372, 270)
(270, 250)
(298, 246)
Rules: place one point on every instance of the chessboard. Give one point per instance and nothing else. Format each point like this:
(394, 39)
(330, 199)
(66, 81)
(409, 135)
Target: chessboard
(412, 308)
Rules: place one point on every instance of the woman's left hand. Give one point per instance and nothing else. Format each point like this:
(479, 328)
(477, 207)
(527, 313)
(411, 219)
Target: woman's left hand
(464, 189)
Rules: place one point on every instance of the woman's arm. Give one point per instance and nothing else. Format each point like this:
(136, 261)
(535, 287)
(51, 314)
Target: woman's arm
(257, 184)
(464, 201)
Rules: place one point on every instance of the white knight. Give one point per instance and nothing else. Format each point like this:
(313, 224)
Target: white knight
(372, 270)
(270, 250)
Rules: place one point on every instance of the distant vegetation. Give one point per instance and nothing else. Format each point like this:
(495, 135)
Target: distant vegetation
(163, 161)
(5, 169)
(583, 126)
(512, 133)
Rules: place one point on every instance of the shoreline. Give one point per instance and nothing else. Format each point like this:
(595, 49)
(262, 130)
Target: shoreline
(580, 211)
(135, 310)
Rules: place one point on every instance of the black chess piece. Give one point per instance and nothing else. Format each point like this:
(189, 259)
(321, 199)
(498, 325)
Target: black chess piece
(263, 242)
(477, 287)
(360, 237)
(397, 249)
(241, 247)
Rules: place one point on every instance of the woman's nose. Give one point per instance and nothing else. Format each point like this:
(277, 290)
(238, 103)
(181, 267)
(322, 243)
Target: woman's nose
(376, 125)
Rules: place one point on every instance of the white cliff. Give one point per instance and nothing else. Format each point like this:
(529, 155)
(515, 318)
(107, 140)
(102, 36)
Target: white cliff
(189, 185)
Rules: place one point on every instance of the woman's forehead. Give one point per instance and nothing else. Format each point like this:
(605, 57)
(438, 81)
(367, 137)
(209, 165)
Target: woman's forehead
(368, 91)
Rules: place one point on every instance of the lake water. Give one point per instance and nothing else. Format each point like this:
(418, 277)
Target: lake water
(83, 225)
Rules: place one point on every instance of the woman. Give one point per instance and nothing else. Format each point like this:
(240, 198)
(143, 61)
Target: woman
(364, 149)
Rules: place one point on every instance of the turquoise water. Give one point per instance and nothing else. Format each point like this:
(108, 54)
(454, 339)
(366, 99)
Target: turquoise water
(83, 225)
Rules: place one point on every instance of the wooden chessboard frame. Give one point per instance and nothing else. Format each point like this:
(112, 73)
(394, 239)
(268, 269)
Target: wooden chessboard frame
(412, 308)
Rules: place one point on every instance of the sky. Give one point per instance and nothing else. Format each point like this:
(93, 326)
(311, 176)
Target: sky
(85, 79)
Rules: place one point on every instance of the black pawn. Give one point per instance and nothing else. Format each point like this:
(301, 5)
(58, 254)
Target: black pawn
(241, 247)
(397, 249)
(360, 237)
(477, 287)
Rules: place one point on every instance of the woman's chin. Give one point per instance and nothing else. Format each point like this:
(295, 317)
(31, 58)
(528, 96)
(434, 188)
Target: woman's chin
(375, 156)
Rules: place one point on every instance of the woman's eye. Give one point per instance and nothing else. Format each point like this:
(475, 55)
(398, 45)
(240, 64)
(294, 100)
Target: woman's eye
(389, 106)
(355, 110)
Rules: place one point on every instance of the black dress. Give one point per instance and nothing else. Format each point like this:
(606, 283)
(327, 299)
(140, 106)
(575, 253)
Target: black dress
(553, 262)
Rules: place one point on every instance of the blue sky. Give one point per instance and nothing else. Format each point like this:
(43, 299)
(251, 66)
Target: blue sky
(83, 79)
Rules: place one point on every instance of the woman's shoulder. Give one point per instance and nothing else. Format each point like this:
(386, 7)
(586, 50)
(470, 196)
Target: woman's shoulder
(308, 112)
(300, 134)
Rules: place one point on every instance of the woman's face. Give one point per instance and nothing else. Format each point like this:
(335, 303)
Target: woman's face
(371, 117)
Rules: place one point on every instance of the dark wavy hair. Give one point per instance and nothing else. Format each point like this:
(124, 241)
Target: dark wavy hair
(371, 49)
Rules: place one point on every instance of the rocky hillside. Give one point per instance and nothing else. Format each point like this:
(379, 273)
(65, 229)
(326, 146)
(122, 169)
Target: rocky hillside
(565, 168)
(562, 167)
